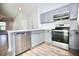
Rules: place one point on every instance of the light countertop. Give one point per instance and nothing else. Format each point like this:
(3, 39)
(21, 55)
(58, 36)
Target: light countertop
(27, 30)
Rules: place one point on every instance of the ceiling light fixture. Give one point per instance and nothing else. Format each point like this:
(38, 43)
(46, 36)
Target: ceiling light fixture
(19, 8)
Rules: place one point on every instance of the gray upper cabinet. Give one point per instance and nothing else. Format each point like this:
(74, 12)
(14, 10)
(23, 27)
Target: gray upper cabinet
(71, 8)
(73, 11)
(47, 17)
(62, 10)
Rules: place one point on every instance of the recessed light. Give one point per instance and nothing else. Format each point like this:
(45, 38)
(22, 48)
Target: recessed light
(20, 8)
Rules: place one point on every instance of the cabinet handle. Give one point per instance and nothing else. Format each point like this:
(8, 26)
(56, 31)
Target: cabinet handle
(21, 33)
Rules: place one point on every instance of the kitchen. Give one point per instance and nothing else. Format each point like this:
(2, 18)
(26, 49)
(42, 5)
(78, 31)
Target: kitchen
(30, 25)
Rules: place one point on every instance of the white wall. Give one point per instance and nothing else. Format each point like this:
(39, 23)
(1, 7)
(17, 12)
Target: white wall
(20, 17)
(20, 22)
(33, 19)
(53, 24)
(47, 26)
(25, 19)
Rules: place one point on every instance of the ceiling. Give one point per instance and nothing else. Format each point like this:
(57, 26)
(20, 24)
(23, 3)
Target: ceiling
(27, 8)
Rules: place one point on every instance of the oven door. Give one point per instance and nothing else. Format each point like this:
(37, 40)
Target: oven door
(60, 37)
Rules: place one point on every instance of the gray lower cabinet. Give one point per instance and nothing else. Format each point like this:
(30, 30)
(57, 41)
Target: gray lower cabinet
(74, 36)
(22, 42)
(74, 41)
(37, 37)
(48, 36)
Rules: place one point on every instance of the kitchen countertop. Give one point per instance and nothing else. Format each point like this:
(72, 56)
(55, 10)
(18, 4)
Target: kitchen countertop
(27, 30)
(11, 37)
(31, 30)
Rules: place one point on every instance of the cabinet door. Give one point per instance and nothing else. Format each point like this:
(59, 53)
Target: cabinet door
(41, 36)
(74, 41)
(37, 38)
(73, 25)
(71, 41)
(48, 36)
(47, 17)
(34, 39)
(73, 11)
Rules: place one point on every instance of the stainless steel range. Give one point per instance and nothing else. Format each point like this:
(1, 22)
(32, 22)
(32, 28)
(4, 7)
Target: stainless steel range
(60, 36)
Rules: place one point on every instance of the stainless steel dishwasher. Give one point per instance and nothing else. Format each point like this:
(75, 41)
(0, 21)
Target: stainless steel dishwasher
(22, 42)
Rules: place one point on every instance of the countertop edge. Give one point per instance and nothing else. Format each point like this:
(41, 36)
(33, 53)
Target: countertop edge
(27, 30)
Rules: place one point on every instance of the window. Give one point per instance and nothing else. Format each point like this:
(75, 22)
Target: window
(2, 25)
